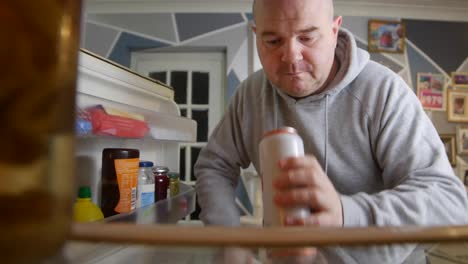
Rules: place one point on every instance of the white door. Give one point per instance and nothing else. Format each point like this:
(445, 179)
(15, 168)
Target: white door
(198, 82)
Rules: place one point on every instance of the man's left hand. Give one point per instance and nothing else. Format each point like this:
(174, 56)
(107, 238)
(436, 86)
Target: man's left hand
(303, 183)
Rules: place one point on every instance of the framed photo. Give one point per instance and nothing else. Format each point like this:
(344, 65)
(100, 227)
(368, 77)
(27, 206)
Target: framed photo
(449, 144)
(460, 79)
(431, 90)
(462, 172)
(462, 140)
(386, 36)
(457, 105)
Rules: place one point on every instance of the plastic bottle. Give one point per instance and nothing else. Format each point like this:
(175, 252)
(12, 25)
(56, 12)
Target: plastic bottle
(84, 210)
(145, 189)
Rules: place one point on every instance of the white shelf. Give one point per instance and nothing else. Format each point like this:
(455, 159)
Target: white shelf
(101, 82)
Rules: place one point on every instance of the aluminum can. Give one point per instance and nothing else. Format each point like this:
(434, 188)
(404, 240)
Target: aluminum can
(276, 145)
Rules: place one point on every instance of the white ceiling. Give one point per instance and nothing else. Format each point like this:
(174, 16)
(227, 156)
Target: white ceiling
(451, 10)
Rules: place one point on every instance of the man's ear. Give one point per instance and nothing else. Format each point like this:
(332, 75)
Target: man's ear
(337, 24)
(254, 28)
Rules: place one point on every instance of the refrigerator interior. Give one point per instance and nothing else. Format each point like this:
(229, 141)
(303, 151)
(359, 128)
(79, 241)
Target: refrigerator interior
(102, 82)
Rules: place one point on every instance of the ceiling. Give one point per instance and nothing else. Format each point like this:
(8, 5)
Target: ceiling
(450, 10)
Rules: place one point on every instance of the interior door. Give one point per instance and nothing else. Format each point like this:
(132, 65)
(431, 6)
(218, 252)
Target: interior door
(198, 82)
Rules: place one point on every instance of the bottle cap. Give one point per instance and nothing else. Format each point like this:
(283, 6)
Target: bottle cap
(173, 175)
(145, 163)
(160, 169)
(84, 192)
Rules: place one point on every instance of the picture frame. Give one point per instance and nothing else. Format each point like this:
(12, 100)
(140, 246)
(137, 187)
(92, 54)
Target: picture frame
(460, 79)
(462, 172)
(465, 179)
(431, 91)
(386, 36)
(450, 147)
(462, 140)
(457, 105)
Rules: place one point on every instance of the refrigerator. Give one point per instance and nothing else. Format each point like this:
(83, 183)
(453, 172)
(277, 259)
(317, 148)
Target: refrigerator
(106, 84)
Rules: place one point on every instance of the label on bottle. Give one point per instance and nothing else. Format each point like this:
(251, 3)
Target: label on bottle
(127, 178)
(145, 195)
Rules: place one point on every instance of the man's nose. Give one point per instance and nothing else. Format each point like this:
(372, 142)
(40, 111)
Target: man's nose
(292, 52)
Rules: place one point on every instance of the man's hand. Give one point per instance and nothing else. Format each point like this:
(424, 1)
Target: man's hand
(304, 183)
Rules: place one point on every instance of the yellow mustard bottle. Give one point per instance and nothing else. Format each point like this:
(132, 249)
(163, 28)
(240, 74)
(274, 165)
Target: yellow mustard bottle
(84, 210)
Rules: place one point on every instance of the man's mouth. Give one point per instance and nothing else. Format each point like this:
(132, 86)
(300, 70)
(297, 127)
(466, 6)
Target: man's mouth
(293, 73)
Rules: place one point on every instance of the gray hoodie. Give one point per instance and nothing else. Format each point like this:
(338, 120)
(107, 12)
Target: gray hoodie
(367, 129)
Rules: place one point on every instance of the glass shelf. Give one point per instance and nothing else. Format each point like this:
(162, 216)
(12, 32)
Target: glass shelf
(164, 211)
(165, 244)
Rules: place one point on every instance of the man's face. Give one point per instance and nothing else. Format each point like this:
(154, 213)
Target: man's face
(296, 42)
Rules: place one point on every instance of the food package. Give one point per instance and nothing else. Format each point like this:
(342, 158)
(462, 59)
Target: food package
(104, 123)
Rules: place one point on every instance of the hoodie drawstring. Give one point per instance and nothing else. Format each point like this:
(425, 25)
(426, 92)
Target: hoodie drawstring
(326, 135)
(275, 107)
(275, 120)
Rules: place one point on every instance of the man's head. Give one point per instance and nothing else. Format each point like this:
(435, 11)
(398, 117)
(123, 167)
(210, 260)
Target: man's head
(296, 41)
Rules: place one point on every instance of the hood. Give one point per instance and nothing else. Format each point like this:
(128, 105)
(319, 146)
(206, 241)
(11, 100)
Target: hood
(352, 60)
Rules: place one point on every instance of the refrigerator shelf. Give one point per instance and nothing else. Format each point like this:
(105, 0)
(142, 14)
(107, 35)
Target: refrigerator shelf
(162, 126)
(167, 211)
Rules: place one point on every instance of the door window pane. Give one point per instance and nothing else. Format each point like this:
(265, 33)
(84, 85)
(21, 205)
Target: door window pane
(200, 87)
(196, 213)
(201, 116)
(160, 76)
(182, 164)
(179, 83)
(183, 112)
(194, 156)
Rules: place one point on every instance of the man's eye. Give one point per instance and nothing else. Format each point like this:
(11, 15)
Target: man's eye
(308, 39)
(272, 42)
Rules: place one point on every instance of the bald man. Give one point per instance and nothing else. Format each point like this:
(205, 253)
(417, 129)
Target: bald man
(373, 158)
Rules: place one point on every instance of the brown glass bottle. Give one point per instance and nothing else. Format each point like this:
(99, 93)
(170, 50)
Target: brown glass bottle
(39, 44)
(111, 195)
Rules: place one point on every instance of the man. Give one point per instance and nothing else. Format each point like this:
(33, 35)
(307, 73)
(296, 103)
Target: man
(373, 158)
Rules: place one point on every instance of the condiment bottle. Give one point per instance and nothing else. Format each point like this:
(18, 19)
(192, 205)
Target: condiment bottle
(173, 183)
(84, 210)
(119, 180)
(145, 190)
(161, 181)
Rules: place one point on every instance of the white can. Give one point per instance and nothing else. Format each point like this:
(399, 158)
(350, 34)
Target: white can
(276, 145)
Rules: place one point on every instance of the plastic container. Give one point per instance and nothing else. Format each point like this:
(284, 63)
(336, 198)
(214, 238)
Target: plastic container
(84, 210)
(145, 190)
(161, 181)
(119, 180)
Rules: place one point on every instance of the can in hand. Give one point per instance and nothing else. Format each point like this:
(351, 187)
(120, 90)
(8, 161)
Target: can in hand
(276, 145)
